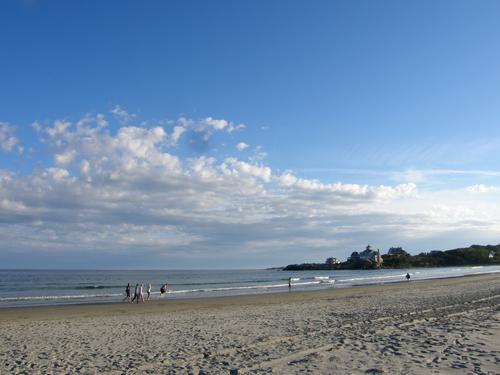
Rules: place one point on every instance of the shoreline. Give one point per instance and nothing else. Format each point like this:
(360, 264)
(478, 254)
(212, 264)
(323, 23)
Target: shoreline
(185, 304)
(96, 290)
(449, 325)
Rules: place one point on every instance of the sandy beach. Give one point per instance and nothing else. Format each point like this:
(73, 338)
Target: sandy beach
(439, 326)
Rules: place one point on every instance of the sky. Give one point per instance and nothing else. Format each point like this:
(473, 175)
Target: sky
(231, 134)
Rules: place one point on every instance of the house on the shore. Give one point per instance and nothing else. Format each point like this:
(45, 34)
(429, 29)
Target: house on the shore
(370, 254)
(367, 255)
(354, 257)
(332, 261)
(397, 251)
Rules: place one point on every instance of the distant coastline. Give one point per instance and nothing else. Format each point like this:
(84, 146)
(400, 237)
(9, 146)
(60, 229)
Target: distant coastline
(397, 258)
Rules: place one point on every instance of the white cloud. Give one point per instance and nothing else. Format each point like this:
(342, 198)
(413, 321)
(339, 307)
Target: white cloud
(480, 188)
(139, 142)
(176, 133)
(121, 114)
(56, 174)
(241, 146)
(208, 126)
(65, 157)
(352, 191)
(287, 179)
(216, 124)
(7, 137)
(37, 126)
(59, 127)
(237, 167)
(101, 120)
(84, 168)
(220, 124)
(258, 155)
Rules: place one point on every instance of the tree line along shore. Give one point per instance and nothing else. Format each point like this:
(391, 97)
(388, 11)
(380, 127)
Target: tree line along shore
(396, 257)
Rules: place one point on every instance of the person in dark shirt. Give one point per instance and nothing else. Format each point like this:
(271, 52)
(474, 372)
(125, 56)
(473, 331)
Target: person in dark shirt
(127, 294)
(163, 289)
(136, 293)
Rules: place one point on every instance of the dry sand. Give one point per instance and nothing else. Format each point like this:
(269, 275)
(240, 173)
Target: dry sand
(439, 326)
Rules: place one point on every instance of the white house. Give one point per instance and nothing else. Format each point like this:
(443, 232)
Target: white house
(370, 254)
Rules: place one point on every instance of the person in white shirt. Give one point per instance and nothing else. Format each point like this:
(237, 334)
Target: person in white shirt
(149, 291)
(141, 293)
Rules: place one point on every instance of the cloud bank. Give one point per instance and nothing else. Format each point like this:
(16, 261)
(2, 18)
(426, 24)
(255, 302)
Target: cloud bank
(119, 191)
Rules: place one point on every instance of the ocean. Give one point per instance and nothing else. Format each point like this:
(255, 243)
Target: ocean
(55, 287)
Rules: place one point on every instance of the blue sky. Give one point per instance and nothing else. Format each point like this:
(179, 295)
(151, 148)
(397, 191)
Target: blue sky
(336, 98)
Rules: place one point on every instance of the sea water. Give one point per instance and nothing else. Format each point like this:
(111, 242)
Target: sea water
(54, 287)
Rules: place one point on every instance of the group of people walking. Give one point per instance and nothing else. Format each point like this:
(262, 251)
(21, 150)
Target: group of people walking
(139, 292)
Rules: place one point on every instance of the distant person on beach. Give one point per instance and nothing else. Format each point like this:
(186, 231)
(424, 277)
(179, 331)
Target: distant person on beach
(127, 294)
(289, 283)
(163, 289)
(136, 293)
(141, 293)
(149, 291)
(408, 276)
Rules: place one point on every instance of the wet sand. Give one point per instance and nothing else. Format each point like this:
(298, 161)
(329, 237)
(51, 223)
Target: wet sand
(437, 326)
